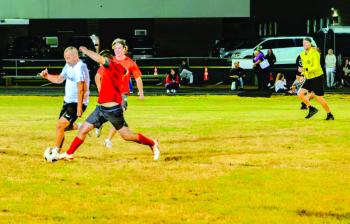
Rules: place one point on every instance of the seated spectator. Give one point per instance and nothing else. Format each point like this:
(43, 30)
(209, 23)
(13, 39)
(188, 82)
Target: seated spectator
(346, 74)
(172, 82)
(298, 82)
(280, 83)
(237, 74)
(185, 72)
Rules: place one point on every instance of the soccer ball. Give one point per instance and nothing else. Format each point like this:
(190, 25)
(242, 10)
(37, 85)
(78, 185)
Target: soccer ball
(51, 154)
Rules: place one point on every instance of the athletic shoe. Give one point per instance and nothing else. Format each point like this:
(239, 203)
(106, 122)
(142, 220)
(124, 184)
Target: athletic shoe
(156, 151)
(312, 112)
(329, 117)
(65, 156)
(98, 131)
(303, 106)
(167, 91)
(108, 143)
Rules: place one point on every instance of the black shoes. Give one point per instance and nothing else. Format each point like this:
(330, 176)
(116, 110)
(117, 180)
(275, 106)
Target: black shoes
(329, 117)
(312, 112)
(303, 106)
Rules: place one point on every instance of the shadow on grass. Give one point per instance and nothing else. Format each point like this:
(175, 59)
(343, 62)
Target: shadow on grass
(339, 216)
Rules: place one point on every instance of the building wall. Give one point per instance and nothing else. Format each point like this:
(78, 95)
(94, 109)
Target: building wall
(53, 9)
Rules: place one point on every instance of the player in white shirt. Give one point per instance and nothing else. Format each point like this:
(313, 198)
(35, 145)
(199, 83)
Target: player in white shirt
(76, 98)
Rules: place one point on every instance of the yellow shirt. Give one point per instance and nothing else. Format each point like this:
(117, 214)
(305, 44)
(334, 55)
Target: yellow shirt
(311, 63)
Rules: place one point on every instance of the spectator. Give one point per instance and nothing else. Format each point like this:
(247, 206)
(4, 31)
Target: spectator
(330, 61)
(280, 83)
(237, 74)
(172, 82)
(271, 58)
(346, 73)
(260, 68)
(298, 82)
(185, 72)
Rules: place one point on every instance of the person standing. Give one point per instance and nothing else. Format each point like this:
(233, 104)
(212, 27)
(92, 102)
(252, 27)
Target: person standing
(271, 58)
(312, 70)
(76, 98)
(260, 69)
(330, 63)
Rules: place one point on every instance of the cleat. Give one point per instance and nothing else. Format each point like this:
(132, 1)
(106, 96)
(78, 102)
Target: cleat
(303, 106)
(156, 151)
(329, 117)
(65, 156)
(108, 143)
(312, 112)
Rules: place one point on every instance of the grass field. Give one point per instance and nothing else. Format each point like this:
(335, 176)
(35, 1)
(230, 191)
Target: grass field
(225, 159)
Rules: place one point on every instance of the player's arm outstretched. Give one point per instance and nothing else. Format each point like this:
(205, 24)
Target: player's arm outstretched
(52, 78)
(93, 55)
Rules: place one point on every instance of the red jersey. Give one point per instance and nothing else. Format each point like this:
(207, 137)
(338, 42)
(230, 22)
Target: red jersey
(133, 69)
(172, 79)
(111, 82)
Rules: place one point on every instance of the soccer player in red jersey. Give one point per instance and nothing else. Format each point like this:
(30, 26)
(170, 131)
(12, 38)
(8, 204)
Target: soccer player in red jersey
(109, 107)
(120, 50)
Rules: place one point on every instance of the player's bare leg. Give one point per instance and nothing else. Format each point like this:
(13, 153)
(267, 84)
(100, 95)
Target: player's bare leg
(61, 125)
(108, 140)
(128, 135)
(324, 103)
(78, 140)
(302, 94)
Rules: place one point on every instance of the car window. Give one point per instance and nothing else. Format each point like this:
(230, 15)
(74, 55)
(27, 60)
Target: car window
(283, 43)
(269, 44)
(298, 42)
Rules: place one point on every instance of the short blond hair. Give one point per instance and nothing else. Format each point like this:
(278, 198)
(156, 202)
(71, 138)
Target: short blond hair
(119, 41)
(72, 50)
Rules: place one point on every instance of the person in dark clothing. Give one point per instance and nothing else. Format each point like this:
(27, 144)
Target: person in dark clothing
(260, 71)
(172, 82)
(185, 72)
(271, 58)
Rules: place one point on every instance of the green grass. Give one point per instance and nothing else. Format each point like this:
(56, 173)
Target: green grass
(225, 159)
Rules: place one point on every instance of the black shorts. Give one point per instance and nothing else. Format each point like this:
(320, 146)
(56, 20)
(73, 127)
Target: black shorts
(69, 112)
(103, 114)
(314, 85)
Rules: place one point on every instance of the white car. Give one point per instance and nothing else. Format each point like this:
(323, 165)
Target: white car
(286, 49)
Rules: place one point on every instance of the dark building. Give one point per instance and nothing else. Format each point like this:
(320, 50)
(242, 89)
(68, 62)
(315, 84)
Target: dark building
(195, 36)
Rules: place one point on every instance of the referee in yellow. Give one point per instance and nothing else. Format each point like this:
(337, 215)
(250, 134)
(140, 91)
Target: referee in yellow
(312, 70)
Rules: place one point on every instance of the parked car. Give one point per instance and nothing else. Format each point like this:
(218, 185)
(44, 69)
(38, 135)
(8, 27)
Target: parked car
(286, 49)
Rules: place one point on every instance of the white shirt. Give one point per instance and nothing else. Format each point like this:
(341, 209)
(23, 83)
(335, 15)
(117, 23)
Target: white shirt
(280, 84)
(74, 74)
(331, 61)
